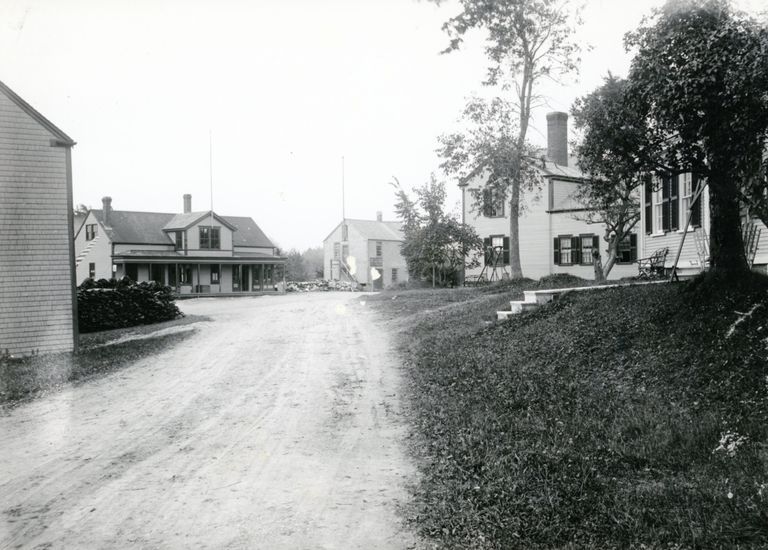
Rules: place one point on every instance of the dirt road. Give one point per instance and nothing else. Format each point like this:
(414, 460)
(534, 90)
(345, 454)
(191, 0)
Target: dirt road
(275, 425)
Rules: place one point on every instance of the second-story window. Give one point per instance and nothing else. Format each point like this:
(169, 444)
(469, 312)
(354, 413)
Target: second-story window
(378, 249)
(210, 237)
(493, 204)
(90, 231)
(344, 232)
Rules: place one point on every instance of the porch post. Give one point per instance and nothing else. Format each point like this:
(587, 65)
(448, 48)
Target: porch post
(261, 277)
(221, 276)
(199, 286)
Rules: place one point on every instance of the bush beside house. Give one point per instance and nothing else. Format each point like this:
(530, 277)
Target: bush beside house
(110, 304)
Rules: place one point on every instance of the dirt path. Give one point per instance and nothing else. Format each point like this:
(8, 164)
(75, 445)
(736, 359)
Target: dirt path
(275, 425)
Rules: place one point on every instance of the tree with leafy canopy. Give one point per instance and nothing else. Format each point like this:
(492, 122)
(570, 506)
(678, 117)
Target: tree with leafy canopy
(436, 246)
(527, 40)
(611, 135)
(699, 82)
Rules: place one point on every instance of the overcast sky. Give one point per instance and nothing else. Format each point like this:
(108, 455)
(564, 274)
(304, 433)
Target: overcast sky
(285, 88)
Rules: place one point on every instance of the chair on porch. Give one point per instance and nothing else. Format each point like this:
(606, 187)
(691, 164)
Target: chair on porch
(652, 267)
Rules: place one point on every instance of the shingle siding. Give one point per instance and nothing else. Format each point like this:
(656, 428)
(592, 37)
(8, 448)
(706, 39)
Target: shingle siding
(36, 309)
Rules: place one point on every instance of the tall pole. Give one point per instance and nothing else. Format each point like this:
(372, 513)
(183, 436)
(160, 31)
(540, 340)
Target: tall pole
(343, 205)
(210, 164)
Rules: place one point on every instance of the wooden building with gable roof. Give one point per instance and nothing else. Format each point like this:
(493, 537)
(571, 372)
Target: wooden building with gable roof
(38, 306)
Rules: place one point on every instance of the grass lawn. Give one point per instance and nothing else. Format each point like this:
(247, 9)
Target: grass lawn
(99, 353)
(623, 418)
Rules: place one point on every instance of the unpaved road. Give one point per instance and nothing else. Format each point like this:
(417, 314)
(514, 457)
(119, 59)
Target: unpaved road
(275, 425)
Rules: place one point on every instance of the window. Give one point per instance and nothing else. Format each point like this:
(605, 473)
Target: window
(378, 249)
(344, 232)
(179, 240)
(666, 205)
(495, 245)
(210, 237)
(345, 252)
(493, 203)
(567, 250)
(92, 270)
(336, 250)
(648, 190)
(589, 244)
(90, 231)
(627, 252)
(214, 274)
(394, 275)
(688, 184)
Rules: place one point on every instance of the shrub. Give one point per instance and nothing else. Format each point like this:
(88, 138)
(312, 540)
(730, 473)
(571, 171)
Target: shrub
(109, 304)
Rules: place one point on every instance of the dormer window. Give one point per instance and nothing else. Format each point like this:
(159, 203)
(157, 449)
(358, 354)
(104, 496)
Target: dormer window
(179, 240)
(210, 237)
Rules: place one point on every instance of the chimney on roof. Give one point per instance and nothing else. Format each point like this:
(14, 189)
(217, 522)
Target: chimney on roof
(557, 138)
(378, 216)
(187, 203)
(106, 203)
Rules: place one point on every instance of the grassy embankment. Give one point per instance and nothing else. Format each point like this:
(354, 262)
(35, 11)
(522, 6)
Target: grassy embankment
(626, 418)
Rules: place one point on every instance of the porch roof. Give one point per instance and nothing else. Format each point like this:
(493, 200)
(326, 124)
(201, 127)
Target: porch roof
(173, 257)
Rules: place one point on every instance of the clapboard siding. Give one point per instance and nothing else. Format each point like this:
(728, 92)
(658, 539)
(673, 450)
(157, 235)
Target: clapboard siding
(36, 309)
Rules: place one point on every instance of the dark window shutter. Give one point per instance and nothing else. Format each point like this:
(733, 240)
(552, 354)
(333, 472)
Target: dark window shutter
(632, 247)
(576, 250)
(595, 245)
(506, 250)
(487, 248)
(648, 205)
(696, 207)
(665, 188)
(674, 203)
(557, 251)
(486, 202)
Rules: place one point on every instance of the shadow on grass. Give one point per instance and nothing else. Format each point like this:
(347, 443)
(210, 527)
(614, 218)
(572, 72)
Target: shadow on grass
(30, 377)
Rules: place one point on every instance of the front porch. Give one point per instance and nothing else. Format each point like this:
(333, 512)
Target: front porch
(206, 278)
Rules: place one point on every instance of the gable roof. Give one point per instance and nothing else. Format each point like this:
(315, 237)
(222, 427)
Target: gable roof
(135, 227)
(185, 221)
(374, 230)
(248, 233)
(128, 227)
(31, 111)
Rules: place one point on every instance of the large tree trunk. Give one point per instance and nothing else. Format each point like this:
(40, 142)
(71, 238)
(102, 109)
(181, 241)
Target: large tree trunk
(726, 246)
(515, 268)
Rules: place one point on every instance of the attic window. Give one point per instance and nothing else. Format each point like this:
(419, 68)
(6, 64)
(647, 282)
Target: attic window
(90, 231)
(210, 237)
(344, 232)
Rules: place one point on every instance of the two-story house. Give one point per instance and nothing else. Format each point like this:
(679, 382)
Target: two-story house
(38, 306)
(199, 253)
(554, 234)
(366, 252)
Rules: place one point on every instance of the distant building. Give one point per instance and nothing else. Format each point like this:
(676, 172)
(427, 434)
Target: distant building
(38, 308)
(554, 237)
(199, 253)
(366, 252)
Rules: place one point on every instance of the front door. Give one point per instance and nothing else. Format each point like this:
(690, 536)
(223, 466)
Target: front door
(377, 274)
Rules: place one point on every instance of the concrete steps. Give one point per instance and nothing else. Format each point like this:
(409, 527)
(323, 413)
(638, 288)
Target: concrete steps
(534, 299)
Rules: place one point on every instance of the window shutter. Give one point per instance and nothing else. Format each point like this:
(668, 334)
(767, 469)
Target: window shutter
(576, 250)
(487, 249)
(648, 205)
(487, 203)
(557, 251)
(595, 245)
(674, 203)
(632, 247)
(506, 250)
(665, 188)
(696, 207)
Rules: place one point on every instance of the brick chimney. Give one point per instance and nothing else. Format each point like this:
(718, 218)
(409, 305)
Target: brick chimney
(557, 138)
(106, 204)
(378, 216)
(187, 203)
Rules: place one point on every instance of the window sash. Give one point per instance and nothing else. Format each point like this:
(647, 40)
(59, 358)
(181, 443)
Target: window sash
(379, 247)
(565, 250)
(587, 242)
(214, 274)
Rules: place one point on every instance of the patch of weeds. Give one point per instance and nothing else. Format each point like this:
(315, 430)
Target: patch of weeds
(28, 377)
